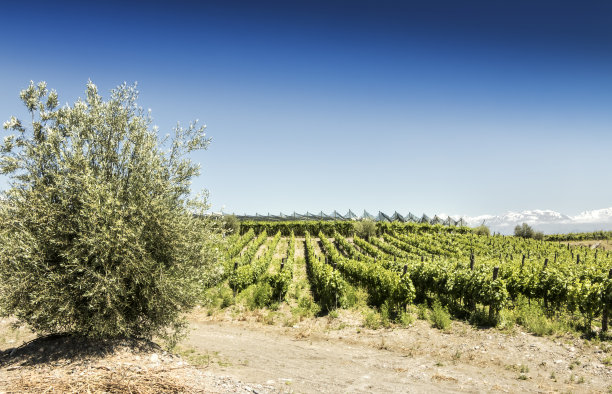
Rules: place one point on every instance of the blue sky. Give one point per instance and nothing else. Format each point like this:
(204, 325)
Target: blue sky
(428, 107)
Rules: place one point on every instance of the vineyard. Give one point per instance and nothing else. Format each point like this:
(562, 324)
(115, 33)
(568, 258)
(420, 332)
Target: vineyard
(415, 264)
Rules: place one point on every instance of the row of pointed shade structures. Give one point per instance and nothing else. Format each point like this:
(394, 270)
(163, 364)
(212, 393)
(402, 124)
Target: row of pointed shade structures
(350, 215)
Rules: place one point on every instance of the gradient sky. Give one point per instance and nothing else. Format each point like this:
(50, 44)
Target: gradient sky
(428, 107)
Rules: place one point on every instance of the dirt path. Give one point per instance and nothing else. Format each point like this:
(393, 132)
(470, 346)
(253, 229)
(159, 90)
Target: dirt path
(263, 248)
(310, 358)
(279, 253)
(315, 365)
(604, 244)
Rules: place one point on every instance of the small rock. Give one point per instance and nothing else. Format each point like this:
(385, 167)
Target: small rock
(154, 358)
(572, 349)
(558, 361)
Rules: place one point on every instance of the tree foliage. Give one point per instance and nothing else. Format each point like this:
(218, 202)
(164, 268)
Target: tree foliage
(231, 224)
(482, 230)
(365, 228)
(525, 231)
(99, 234)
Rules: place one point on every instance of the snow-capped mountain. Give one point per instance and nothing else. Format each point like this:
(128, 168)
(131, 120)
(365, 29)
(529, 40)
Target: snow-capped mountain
(547, 221)
(598, 215)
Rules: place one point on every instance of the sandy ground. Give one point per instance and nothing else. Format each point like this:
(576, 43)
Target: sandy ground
(315, 355)
(606, 244)
(77, 365)
(329, 355)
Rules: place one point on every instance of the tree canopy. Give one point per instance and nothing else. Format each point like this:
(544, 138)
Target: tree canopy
(525, 231)
(100, 235)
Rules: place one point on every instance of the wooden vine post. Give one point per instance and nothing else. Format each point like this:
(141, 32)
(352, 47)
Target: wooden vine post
(233, 287)
(606, 307)
(545, 294)
(492, 306)
(472, 302)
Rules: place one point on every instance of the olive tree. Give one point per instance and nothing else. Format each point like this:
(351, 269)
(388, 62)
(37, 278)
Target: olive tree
(525, 231)
(365, 228)
(482, 230)
(99, 234)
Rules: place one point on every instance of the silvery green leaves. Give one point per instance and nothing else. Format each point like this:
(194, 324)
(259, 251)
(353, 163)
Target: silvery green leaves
(99, 235)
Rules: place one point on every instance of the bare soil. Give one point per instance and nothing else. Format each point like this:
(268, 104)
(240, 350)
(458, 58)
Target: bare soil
(605, 244)
(315, 355)
(337, 355)
(262, 249)
(63, 364)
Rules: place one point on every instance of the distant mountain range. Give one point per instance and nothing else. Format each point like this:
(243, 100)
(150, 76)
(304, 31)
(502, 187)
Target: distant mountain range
(548, 221)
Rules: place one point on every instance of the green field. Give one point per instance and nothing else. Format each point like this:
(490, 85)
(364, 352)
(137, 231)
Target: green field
(481, 278)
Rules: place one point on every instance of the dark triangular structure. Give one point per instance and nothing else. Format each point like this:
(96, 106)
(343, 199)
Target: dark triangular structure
(436, 220)
(336, 216)
(396, 217)
(411, 218)
(366, 215)
(382, 217)
(350, 215)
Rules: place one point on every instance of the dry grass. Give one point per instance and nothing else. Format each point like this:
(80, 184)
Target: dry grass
(122, 380)
(72, 364)
(605, 245)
